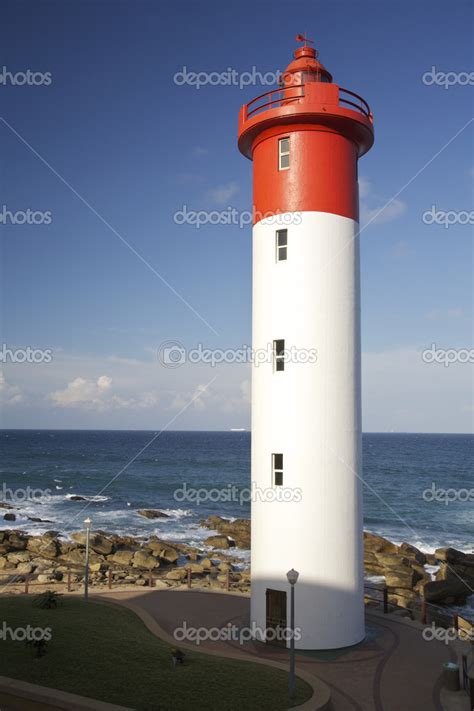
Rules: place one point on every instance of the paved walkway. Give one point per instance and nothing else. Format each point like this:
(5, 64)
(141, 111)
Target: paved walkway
(394, 669)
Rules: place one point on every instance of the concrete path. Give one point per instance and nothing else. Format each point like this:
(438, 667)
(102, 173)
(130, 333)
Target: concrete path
(394, 669)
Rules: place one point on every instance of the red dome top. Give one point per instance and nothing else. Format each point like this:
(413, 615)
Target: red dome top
(305, 68)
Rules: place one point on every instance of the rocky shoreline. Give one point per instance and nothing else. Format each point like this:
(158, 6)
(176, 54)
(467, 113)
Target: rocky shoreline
(49, 557)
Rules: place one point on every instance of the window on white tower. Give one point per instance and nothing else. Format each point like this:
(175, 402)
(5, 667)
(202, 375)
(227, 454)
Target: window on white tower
(283, 153)
(277, 469)
(279, 354)
(281, 245)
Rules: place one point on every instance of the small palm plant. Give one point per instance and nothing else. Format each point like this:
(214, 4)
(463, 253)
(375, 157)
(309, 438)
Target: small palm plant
(48, 600)
(38, 645)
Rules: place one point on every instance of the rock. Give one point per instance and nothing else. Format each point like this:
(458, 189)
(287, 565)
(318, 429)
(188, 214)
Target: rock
(219, 542)
(38, 520)
(19, 557)
(141, 559)
(378, 544)
(238, 530)
(76, 497)
(206, 563)
(196, 568)
(168, 554)
(176, 574)
(9, 517)
(412, 552)
(152, 513)
(17, 541)
(224, 567)
(43, 545)
(24, 568)
(122, 557)
(97, 542)
(402, 578)
(161, 550)
(446, 590)
(3, 505)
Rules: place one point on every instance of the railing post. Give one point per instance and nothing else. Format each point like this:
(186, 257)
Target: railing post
(152, 581)
(109, 578)
(423, 611)
(456, 621)
(27, 584)
(227, 580)
(69, 580)
(189, 577)
(385, 600)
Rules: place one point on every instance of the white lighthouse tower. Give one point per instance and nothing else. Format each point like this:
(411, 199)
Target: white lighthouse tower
(305, 140)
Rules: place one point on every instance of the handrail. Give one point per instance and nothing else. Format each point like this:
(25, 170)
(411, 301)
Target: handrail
(274, 101)
(363, 107)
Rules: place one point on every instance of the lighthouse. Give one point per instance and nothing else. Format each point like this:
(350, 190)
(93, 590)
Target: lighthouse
(305, 140)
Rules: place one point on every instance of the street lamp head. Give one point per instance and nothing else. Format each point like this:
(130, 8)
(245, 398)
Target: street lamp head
(292, 576)
(88, 522)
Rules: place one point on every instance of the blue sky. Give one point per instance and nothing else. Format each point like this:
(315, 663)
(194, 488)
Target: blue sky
(132, 147)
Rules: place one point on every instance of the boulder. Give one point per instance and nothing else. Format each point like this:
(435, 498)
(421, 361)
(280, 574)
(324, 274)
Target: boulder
(446, 591)
(142, 559)
(24, 568)
(412, 552)
(9, 517)
(238, 530)
(152, 513)
(43, 545)
(97, 542)
(403, 577)
(176, 574)
(219, 542)
(122, 557)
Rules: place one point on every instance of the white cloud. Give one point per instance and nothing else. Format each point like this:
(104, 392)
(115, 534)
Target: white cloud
(382, 213)
(98, 395)
(384, 210)
(9, 394)
(221, 194)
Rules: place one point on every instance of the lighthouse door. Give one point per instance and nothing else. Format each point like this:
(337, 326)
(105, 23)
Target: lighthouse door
(276, 617)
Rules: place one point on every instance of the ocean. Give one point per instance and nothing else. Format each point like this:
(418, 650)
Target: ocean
(119, 472)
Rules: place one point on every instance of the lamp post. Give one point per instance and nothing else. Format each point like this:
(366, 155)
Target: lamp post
(87, 524)
(292, 576)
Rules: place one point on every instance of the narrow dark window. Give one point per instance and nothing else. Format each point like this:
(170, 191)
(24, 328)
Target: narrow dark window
(283, 153)
(277, 469)
(281, 245)
(279, 354)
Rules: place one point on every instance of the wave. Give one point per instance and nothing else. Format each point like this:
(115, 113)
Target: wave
(97, 498)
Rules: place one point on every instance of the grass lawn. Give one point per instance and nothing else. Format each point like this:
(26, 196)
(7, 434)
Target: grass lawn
(107, 653)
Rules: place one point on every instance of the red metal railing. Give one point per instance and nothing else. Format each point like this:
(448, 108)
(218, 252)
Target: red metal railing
(355, 102)
(275, 102)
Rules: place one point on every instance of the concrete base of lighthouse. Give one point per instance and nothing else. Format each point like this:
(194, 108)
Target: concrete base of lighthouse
(311, 413)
